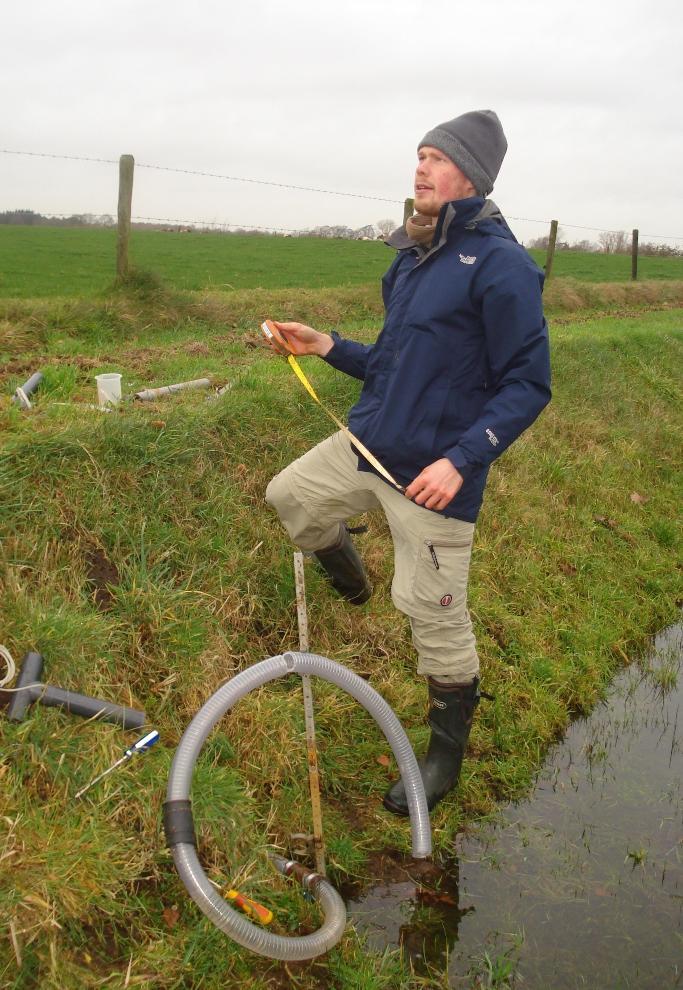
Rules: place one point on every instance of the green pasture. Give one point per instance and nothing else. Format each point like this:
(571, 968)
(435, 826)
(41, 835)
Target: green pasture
(137, 554)
(52, 261)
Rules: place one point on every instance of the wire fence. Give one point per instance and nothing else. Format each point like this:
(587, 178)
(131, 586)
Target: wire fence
(179, 222)
(280, 185)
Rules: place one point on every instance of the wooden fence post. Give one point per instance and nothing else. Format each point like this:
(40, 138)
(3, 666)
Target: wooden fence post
(408, 208)
(634, 254)
(126, 168)
(551, 248)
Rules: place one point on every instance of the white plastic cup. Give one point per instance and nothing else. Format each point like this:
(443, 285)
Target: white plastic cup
(108, 389)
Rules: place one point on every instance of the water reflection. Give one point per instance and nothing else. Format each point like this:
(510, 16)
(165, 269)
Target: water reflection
(581, 885)
(416, 906)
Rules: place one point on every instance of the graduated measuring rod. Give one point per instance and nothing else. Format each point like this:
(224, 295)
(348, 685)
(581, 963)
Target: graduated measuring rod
(313, 774)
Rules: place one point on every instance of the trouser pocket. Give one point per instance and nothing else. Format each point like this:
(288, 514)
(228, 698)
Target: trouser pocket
(439, 586)
(431, 589)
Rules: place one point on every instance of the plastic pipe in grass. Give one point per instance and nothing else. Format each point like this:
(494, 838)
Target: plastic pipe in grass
(150, 394)
(21, 394)
(179, 825)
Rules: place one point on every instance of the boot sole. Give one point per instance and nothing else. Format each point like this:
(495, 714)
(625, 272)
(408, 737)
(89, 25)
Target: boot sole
(360, 599)
(395, 809)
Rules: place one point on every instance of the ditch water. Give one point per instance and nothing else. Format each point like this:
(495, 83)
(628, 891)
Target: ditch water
(581, 885)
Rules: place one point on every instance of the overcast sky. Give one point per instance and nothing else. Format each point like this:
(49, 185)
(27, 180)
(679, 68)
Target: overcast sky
(336, 96)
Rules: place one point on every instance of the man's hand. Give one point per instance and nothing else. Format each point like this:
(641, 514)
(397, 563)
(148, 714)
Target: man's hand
(436, 486)
(304, 340)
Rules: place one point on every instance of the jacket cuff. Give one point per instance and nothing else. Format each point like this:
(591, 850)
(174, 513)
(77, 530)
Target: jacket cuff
(334, 349)
(459, 461)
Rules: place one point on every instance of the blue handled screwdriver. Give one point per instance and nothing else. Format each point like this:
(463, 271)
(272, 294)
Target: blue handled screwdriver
(140, 746)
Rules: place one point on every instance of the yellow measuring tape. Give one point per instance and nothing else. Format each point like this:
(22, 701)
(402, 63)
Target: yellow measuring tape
(272, 334)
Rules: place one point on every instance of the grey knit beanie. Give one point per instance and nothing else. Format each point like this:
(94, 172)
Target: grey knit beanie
(475, 142)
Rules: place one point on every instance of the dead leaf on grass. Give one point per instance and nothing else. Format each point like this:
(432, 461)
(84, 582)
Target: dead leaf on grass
(614, 527)
(171, 916)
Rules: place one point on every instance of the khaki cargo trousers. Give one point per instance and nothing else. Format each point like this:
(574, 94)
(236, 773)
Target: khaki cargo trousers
(431, 552)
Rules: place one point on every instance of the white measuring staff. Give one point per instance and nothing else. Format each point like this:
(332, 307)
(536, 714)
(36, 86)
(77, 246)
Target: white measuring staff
(313, 773)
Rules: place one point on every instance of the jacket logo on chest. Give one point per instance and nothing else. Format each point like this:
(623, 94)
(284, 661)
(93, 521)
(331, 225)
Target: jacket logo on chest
(468, 259)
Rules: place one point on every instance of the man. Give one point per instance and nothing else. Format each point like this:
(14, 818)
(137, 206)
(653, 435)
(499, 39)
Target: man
(459, 371)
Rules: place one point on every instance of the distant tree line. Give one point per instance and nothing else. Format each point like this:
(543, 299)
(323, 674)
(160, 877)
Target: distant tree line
(29, 218)
(609, 242)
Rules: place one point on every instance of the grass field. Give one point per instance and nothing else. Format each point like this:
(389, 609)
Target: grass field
(52, 261)
(136, 553)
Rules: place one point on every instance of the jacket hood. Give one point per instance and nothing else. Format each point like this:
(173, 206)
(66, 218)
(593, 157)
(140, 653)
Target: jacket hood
(487, 218)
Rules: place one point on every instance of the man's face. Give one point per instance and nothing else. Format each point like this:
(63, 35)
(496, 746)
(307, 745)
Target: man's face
(438, 180)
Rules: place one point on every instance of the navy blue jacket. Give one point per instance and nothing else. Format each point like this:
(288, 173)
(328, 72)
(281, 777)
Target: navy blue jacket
(461, 367)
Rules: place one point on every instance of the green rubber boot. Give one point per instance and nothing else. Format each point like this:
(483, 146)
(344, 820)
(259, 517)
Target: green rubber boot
(344, 568)
(451, 709)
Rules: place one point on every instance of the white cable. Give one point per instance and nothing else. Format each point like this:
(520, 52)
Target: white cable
(11, 668)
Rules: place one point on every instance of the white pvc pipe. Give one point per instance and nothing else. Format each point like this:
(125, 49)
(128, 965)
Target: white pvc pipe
(150, 394)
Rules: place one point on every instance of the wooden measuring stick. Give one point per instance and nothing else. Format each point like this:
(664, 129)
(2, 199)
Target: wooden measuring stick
(313, 774)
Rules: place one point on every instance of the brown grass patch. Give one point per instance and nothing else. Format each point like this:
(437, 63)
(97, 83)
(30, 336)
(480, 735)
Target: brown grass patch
(568, 295)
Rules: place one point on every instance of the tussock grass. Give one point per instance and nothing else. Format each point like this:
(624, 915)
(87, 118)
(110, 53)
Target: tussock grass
(145, 302)
(156, 322)
(137, 554)
(569, 295)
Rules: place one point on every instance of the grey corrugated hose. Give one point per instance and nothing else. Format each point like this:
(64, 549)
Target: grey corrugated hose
(235, 925)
